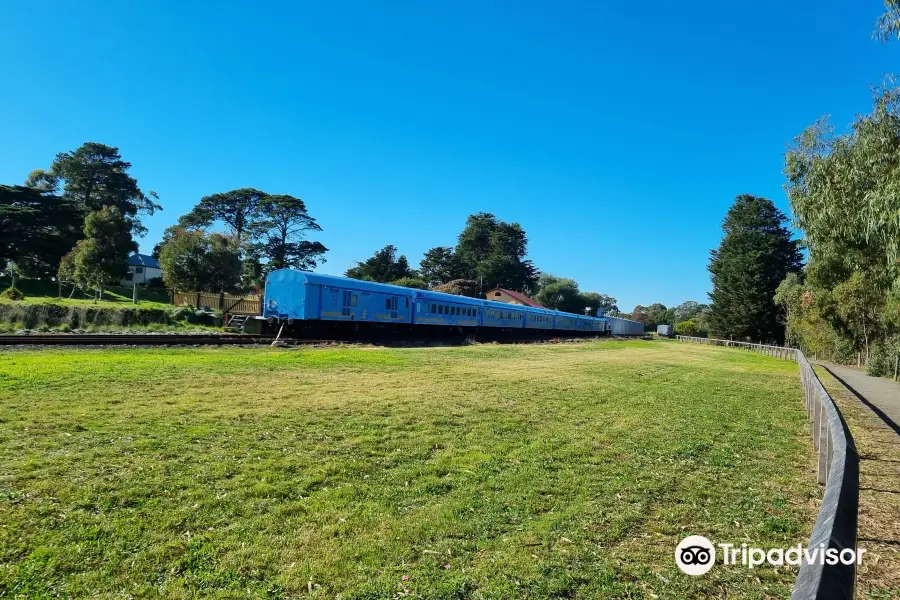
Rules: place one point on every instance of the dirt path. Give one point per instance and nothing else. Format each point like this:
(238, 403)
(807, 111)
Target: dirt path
(871, 407)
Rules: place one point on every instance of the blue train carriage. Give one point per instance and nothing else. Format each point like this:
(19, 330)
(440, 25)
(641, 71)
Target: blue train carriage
(310, 302)
(538, 319)
(502, 316)
(564, 321)
(441, 312)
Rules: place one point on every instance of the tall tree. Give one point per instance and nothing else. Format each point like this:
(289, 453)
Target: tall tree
(843, 194)
(560, 293)
(239, 210)
(440, 265)
(36, 229)
(492, 252)
(93, 176)
(384, 266)
(755, 255)
(688, 310)
(599, 303)
(100, 257)
(283, 226)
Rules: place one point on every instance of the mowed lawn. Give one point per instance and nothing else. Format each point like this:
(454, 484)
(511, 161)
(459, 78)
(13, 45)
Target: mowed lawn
(486, 471)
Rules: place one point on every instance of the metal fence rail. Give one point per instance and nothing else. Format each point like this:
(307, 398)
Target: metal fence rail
(838, 471)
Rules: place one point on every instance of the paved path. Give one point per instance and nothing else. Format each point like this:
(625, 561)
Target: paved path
(880, 394)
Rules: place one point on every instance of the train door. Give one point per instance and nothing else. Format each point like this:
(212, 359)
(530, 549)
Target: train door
(394, 307)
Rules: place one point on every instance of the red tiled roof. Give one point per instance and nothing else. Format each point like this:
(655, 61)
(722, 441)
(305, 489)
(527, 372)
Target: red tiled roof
(518, 296)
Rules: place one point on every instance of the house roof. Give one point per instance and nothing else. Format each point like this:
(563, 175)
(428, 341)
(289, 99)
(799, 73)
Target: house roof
(142, 260)
(518, 296)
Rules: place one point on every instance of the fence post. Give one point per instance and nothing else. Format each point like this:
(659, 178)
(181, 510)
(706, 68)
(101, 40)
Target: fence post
(197, 302)
(823, 443)
(896, 360)
(221, 300)
(858, 360)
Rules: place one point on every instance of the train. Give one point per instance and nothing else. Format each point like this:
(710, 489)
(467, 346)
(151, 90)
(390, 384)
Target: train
(304, 304)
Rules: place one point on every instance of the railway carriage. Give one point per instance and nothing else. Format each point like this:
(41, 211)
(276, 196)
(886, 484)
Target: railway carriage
(502, 315)
(446, 310)
(298, 298)
(312, 304)
(538, 318)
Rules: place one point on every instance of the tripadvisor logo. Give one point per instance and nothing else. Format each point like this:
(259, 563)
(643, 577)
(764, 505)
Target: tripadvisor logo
(696, 555)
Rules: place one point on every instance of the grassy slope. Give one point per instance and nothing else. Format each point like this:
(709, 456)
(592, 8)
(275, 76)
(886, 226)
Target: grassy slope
(43, 292)
(482, 471)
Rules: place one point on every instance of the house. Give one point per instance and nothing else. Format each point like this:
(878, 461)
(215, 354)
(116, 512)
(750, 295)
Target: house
(511, 297)
(141, 269)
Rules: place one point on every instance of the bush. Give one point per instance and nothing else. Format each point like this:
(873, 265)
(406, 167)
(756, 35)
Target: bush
(881, 358)
(12, 293)
(689, 328)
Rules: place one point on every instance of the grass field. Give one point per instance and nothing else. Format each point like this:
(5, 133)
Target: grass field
(516, 471)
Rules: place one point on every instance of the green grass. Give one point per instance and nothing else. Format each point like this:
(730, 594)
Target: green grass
(47, 292)
(548, 471)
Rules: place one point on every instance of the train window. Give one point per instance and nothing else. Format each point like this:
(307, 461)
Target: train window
(354, 299)
(387, 304)
(433, 309)
(440, 309)
(407, 303)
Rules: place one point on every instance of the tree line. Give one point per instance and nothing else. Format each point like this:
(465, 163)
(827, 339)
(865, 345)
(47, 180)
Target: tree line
(489, 253)
(845, 300)
(78, 220)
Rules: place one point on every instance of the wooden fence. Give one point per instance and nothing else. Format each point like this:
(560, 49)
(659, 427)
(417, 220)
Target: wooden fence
(241, 305)
(838, 469)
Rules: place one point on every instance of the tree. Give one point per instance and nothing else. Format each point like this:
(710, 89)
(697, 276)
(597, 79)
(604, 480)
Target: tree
(459, 287)
(440, 265)
(192, 260)
(239, 210)
(599, 303)
(94, 176)
(888, 25)
(560, 293)
(688, 310)
(100, 257)
(492, 252)
(37, 229)
(384, 266)
(843, 194)
(283, 225)
(755, 255)
(411, 282)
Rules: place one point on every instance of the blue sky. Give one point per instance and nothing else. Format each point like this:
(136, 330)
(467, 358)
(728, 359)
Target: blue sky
(617, 136)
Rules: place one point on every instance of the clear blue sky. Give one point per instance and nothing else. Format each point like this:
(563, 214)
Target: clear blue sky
(617, 136)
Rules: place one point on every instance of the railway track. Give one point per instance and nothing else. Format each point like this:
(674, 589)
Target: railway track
(103, 339)
(100, 339)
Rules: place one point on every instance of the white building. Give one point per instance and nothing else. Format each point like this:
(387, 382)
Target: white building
(141, 269)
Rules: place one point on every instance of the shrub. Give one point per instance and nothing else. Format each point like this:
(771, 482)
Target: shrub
(690, 328)
(12, 293)
(881, 358)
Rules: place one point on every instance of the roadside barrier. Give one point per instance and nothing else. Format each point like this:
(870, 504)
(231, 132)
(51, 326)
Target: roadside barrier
(838, 471)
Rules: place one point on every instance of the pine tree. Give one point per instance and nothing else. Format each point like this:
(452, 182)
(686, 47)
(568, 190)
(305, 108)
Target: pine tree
(755, 255)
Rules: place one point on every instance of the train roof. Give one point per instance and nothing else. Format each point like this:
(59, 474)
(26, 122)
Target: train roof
(344, 282)
(443, 297)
